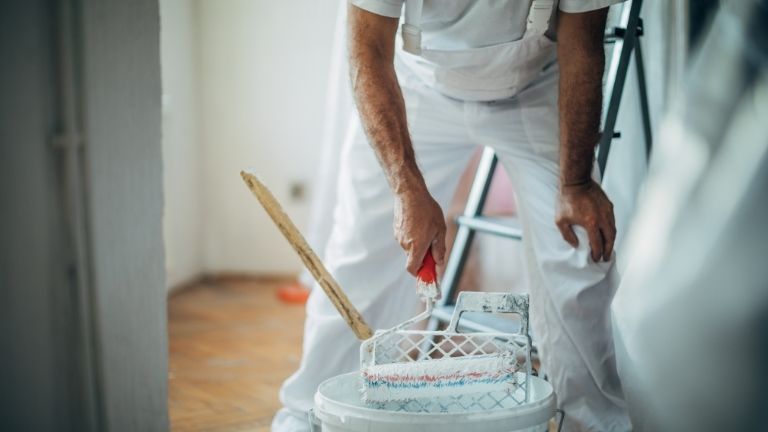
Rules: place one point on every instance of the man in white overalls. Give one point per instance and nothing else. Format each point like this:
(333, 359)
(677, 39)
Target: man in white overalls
(471, 73)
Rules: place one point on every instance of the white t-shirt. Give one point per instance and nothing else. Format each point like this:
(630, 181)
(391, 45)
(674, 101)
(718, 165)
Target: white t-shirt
(467, 25)
(460, 24)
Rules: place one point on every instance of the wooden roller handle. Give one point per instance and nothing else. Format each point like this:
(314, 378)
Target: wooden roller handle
(309, 257)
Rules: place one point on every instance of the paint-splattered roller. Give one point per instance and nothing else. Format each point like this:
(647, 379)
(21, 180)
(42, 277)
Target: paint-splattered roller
(438, 378)
(402, 381)
(399, 366)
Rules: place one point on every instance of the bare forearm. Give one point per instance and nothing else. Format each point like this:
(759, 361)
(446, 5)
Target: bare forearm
(418, 223)
(381, 105)
(382, 113)
(581, 200)
(582, 60)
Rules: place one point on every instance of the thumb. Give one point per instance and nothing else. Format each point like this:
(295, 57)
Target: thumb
(568, 235)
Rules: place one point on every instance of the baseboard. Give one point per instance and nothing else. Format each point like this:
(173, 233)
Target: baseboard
(184, 286)
(224, 277)
(239, 276)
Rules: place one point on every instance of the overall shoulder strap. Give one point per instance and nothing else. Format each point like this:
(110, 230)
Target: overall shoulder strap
(410, 30)
(539, 16)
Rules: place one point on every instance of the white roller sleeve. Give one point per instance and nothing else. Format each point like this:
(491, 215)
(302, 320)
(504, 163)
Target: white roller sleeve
(441, 377)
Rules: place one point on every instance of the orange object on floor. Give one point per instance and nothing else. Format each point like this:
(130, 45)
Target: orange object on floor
(294, 292)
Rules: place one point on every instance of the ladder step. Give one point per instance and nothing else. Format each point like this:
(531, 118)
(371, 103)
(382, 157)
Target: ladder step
(502, 226)
(479, 321)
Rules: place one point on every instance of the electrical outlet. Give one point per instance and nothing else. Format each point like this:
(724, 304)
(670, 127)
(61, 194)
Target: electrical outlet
(298, 191)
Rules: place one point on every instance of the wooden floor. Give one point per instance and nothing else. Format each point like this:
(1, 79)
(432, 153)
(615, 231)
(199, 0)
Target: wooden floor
(232, 343)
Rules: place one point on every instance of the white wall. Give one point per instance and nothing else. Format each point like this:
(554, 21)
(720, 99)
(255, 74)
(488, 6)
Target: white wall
(263, 73)
(244, 85)
(182, 144)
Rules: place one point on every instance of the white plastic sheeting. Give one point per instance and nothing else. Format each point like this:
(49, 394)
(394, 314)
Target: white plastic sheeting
(690, 315)
(339, 113)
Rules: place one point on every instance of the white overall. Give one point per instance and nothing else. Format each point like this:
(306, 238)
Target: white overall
(570, 293)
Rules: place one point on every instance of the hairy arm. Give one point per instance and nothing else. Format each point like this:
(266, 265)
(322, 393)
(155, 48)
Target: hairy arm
(582, 201)
(419, 221)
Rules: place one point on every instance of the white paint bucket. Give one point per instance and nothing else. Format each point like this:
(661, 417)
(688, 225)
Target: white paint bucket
(339, 408)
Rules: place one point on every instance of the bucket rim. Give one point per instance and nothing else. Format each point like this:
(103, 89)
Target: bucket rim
(546, 403)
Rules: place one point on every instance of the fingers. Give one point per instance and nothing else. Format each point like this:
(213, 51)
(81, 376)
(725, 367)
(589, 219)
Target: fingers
(416, 257)
(601, 239)
(595, 242)
(419, 224)
(609, 239)
(591, 209)
(418, 251)
(438, 247)
(567, 231)
(608, 232)
(414, 262)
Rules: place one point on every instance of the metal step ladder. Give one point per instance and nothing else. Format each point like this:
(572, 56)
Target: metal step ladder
(624, 41)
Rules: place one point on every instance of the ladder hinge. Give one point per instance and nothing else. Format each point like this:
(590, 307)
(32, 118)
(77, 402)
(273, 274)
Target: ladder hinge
(620, 32)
